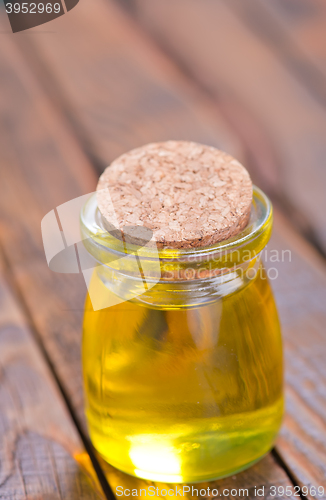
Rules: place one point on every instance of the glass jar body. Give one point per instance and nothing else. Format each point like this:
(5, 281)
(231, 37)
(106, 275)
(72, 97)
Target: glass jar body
(185, 394)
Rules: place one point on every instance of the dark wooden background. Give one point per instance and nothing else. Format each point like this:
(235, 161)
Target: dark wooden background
(248, 76)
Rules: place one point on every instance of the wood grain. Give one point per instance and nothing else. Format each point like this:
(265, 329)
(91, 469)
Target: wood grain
(276, 24)
(44, 166)
(126, 97)
(279, 119)
(41, 167)
(38, 440)
(300, 291)
(304, 22)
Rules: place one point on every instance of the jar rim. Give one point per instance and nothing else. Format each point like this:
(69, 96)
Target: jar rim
(253, 237)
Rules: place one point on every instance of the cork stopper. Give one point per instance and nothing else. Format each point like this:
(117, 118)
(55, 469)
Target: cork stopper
(189, 195)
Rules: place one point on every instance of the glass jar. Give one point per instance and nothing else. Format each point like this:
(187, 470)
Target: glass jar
(183, 381)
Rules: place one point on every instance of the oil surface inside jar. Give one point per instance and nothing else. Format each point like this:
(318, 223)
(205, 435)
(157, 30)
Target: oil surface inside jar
(187, 394)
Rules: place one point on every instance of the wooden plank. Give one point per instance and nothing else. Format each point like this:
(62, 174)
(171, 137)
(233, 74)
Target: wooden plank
(305, 22)
(27, 161)
(276, 25)
(300, 290)
(38, 440)
(281, 122)
(41, 167)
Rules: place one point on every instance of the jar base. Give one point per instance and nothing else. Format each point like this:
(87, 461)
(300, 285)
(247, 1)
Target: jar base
(175, 479)
(201, 454)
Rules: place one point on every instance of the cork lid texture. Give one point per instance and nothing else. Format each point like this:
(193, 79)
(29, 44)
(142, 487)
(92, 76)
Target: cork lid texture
(189, 195)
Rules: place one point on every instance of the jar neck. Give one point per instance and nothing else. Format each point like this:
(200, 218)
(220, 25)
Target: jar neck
(181, 293)
(171, 278)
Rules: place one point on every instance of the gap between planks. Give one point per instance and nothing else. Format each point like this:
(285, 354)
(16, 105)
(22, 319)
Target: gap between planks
(34, 331)
(39, 441)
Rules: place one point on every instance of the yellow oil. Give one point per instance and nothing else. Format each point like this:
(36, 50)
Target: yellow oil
(189, 394)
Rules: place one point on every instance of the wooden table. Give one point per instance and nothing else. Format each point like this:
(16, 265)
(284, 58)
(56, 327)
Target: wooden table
(247, 76)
